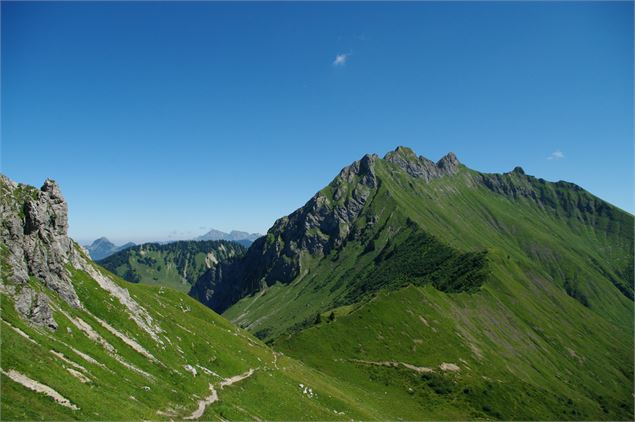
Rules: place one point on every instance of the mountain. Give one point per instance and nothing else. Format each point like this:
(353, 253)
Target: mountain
(102, 248)
(243, 238)
(80, 343)
(176, 264)
(447, 293)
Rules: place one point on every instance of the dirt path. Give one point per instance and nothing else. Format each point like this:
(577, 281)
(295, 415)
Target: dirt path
(236, 378)
(202, 404)
(213, 397)
(419, 369)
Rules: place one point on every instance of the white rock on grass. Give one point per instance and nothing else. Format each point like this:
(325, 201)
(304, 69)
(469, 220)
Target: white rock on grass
(191, 369)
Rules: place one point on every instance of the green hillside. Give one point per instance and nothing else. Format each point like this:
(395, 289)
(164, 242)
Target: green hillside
(175, 264)
(80, 343)
(404, 290)
(525, 285)
(113, 381)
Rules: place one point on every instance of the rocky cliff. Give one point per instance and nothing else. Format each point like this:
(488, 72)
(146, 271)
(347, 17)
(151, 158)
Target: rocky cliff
(324, 223)
(37, 255)
(35, 245)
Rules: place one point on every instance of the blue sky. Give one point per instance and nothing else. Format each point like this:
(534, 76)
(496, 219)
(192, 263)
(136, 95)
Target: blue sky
(160, 120)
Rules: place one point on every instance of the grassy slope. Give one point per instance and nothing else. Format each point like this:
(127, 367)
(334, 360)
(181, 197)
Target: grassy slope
(176, 265)
(560, 372)
(192, 334)
(565, 359)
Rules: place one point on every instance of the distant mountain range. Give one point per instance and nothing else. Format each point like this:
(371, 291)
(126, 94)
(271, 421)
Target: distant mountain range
(244, 238)
(103, 248)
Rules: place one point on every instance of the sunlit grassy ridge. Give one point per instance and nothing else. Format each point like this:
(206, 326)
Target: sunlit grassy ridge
(162, 389)
(468, 296)
(541, 327)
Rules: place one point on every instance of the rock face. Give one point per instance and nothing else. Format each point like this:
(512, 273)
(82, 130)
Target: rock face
(34, 245)
(323, 224)
(34, 306)
(34, 241)
(420, 166)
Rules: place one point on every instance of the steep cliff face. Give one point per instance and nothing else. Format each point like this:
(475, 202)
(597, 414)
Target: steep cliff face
(421, 167)
(34, 227)
(321, 225)
(37, 250)
(324, 224)
(35, 244)
(385, 213)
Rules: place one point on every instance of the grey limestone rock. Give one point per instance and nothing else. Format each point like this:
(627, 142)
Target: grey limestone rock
(420, 166)
(33, 234)
(324, 224)
(34, 306)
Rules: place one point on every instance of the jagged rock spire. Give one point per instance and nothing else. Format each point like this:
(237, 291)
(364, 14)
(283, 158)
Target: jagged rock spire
(422, 167)
(34, 229)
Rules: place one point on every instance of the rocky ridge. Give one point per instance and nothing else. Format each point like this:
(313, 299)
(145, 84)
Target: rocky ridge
(35, 245)
(422, 167)
(323, 224)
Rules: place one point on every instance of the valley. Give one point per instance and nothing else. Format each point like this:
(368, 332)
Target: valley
(176, 264)
(405, 289)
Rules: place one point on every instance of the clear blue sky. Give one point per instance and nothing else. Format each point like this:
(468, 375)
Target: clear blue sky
(160, 120)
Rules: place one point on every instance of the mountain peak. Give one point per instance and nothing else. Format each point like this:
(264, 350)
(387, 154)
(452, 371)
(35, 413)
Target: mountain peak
(102, 239)
(421, 167)
(51, 187)
(449, 162)
(103, 247)
(406, 151)
(234, 236)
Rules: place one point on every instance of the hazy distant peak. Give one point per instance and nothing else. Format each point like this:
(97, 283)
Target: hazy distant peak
(234, 235)
(102, 248)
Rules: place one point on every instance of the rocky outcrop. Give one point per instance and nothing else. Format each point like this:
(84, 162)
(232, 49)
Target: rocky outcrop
(34, 236)
(35, 245)
(321, 225)
(421, 167)
(324, 224)
(34, 306)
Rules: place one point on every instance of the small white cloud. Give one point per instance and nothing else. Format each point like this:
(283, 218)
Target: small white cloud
(556, 155)
(340, 59)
